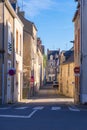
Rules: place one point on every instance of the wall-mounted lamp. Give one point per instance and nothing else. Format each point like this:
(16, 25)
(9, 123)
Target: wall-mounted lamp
(72, 41)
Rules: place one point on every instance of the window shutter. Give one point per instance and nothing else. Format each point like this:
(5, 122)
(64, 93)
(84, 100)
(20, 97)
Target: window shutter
(9, 39)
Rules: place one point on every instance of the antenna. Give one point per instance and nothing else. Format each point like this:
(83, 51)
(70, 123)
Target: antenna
(22, 5)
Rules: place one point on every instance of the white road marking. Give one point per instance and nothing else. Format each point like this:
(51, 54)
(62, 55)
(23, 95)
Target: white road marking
(21, 108)
(73, 109)
(35, 109)
(55, 108)
(18, 116)
(31, 114)
(38, 108)
(13, 116)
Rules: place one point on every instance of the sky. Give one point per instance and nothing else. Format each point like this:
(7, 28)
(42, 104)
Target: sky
(53, 20)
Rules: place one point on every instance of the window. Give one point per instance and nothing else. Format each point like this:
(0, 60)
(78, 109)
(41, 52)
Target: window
(17, 41)
(78, 40)
(9, 65)
(9, 39)
(20, 44)
(51, 57)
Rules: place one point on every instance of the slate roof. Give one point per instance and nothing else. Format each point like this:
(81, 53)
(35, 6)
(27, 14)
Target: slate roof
(69, 57)
(28, 25)
(53, 52)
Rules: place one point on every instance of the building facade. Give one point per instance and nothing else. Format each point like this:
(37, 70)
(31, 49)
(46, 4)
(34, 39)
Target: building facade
(77, 52)
(83, 44)
(66, 74)
(18, 59)
(40, 52)
(8, 58)
(80, 20)
(52, 65)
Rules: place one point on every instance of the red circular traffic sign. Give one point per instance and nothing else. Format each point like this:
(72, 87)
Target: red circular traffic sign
(32, 79)
(12, 71)
(77, 70)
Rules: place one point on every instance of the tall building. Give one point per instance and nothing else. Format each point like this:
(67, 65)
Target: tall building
(66, 73)
(11, 29)
(52, 65)
(80, 43)
(77, 54)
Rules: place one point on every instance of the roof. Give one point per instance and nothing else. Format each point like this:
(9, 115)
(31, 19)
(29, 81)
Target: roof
(69, 57)
(53, 52)
(75, 15)
(27, 24)
(11, 10)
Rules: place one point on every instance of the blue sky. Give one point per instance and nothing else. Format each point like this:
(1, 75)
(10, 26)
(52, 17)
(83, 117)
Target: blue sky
(53, 19)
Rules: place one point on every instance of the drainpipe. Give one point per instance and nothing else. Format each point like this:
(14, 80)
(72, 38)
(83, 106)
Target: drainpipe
(81, 39)
(3, 59)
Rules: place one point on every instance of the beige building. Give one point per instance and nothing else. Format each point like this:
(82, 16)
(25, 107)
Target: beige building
(40, 72)
(80, 24)
(29, 56)
(18, 60)
(66, 74)
(77, 52)
(8, 21)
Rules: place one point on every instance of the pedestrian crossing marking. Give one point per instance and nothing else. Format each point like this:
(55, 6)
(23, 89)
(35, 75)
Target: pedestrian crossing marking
(55, 108)
(73, 109)
(21, 108)
(38, 108)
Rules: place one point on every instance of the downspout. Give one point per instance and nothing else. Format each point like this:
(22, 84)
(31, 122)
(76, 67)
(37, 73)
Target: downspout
(81, 39)
(3, 99)
(13, 61)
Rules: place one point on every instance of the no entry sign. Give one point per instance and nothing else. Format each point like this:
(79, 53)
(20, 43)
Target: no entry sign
(77, 70)
(32, 79)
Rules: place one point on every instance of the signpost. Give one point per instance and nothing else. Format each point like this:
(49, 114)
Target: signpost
(32, 79)
(32, 85)
(77, 85)
(77, 71)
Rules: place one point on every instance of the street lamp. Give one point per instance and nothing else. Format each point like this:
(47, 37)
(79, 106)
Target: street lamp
(72, 41)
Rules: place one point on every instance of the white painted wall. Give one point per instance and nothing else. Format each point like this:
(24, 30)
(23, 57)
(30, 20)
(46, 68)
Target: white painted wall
(83, 85)
(18, 78)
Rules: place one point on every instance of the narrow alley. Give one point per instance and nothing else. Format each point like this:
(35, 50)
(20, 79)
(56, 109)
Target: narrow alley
(49, 94)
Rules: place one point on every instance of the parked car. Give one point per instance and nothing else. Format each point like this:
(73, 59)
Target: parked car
(55, 84)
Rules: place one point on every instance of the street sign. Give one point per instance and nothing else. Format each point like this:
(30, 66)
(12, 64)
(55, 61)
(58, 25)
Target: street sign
(78, 74)
(32, 79)
(77, 70)
(12, 71)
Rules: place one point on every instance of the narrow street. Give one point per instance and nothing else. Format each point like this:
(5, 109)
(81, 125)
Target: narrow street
(43, 65)
(49, 94)
(45, 111)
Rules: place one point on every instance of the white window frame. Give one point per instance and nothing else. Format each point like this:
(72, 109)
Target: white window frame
(9, 39)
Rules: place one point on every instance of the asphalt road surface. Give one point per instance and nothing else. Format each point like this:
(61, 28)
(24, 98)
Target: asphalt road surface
(46, 111)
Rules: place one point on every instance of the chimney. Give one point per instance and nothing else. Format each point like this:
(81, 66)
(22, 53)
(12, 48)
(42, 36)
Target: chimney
(22, 13)
(14, 4)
